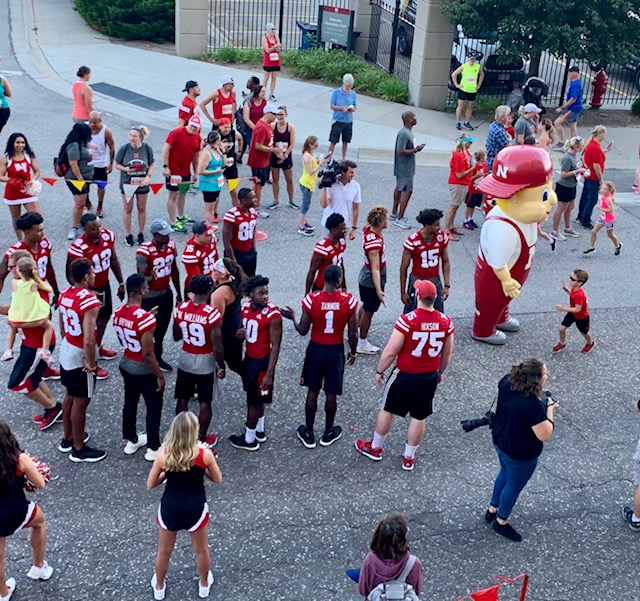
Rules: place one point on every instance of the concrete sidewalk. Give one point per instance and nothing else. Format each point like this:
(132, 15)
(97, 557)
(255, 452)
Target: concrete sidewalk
(51, 41)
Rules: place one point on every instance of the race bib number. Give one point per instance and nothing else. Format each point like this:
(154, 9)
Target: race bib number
(221, 181)
(227, 109)
(137, 181)
(274, 56)
(175, 180)
(283, 146)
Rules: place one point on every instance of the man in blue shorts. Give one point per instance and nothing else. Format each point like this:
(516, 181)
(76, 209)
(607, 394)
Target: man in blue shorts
(571, 109)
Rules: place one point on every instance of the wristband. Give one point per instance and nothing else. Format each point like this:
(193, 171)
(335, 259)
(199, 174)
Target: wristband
(165, 166)
(381, 373)
(447, 285)
(553, 425)
(638, 405)
(354, 227)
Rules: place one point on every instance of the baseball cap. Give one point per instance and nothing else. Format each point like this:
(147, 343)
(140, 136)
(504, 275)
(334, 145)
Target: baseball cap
(516, 168)
(466, 139)
(202, 227)
(195, 121)
(270, 26)
(160, 226)
(574, 70)
(224, 121)
(190, 84)
(425, 288)
(225, 79)
(531, 108)
(271, 108)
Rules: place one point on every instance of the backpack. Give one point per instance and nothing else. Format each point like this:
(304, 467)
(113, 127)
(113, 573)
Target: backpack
(61, 162)
(241, 126)
(398, 589)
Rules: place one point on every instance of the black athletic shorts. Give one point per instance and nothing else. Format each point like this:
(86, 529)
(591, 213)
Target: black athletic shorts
(231, 172)
(410, 393)
(581, 324)
(565, 194)
(338, 129)
(106, 299)
(211, 196)
(27, 371)
(470, 96)
(75, 191)
(247, 260)
(253, 370)
(261, 174)
(286, 164)
(80, 384)
(99, 174)
(187, 384)
(474, 200)
(323, 363)
(370, 300)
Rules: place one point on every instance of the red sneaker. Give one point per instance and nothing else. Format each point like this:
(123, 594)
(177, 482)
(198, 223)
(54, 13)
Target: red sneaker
(408, 464)
(364, 448)
(106, 353)
(215, 219)
(211, 440)
(455, 230)
(50, 417)
(51, 374)
(558, 347)
(587, 348)
(38, 418)
(102, 374)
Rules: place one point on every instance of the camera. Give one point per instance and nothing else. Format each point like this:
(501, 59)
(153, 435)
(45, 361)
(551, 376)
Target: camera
(329, 175)
(468, 425)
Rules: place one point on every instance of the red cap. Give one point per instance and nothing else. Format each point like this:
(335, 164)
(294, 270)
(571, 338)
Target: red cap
(425, 288)
(224, 121)
(516, 168)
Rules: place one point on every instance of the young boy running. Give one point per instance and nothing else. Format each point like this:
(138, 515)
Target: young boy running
(577, 312)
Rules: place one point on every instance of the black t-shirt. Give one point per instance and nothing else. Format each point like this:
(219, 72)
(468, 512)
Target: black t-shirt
(515, 416)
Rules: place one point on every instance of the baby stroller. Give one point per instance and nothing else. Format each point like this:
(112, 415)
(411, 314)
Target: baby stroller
(533, 90)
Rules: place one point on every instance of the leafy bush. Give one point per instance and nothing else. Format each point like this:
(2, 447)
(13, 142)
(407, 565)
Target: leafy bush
(393, 90)
(635, 107)
(152, 20)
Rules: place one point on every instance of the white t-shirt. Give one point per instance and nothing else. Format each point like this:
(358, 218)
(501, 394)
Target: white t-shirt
(500, 242)
(341, 200)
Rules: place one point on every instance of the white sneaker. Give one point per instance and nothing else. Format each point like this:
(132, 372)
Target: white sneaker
(131, 447)
(571, 233)
(203, 591)
(557, 236)
(11, 585)
(7, 355)
(365, 347)
(73, 233)
(262, 213)
(150, 454)
(402, 223)
(158, 594)
(42, 573)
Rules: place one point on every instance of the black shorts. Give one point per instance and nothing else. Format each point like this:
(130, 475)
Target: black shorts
(270, 69)
(370, 300)
(253, 370)
(231, 172)
(285, 165)
(80, 384)
(247, 260)
(211, 196)
(75, 191)
(27, 371)
(99, 175)
(323, 363)
(474, 200)
(470, 96)
(171, 187)
(187, 384)
(410, 393)
(339, 129)
(261, 174)
(565, 194)
(581, 324)
(106, 299)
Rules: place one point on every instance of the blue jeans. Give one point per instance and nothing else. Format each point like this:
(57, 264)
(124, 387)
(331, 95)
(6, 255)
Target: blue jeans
(509, 483)
(306, 199)
(588, 200)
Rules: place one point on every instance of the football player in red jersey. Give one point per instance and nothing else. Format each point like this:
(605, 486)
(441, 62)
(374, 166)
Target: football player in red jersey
(329, 251)
(199, 326)
(79, 308)
(238, 232)
(262, 332)
(156, 260)
(139, 367)
(426, 250)
(98, 245)
(421, 344)
(200, 252)
(326, 312)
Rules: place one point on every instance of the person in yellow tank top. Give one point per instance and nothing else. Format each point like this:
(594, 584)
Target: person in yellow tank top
(471, 77)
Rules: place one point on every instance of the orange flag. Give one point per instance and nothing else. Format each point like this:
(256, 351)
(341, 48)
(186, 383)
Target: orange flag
(78, 184)
(155, 188)
(50, 180)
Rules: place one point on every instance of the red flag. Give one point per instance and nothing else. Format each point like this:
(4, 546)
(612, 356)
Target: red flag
(50, 180)
(487, 594)
(155, 188)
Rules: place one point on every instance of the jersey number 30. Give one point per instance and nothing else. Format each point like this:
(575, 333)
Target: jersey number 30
(434, 339)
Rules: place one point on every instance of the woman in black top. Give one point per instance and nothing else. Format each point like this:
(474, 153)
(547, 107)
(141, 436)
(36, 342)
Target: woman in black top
(523, 422)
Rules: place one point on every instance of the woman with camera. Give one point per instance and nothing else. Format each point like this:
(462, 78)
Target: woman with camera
(522, 424)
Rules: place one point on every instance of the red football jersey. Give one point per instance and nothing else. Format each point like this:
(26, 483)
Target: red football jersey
(196, 323)
(99, 254)
(426, 256)
(371, 241)
(130, 323)
(74, 303)
(256, 329)
(42, 257)
(424, 335)
(329, 314)
(579, 297)
(199, 258)
(160, 259)
(331, 255)
(243, 228)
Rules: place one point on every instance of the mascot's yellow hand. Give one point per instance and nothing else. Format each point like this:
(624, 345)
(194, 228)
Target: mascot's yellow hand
(511, 288)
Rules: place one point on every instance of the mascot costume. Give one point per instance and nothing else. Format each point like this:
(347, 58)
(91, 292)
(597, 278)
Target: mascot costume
(522, 185)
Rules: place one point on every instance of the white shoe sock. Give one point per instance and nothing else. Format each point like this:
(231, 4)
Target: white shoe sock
(409, 451)
(249, 435)
(378, 440)
(260, 426)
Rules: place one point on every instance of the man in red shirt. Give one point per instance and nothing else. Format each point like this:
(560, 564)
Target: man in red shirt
(329, 251)
(426, 250)
(79, 309)
(140, 371)
(98, 245)
(421, 344)
(260, 152)
(199, 326)
(179, 154)
(326, 312)
(189, 105)
(201, 251)
(262, 333)
(577, 311)
(156, 260)
(223, 101)
(238, 232)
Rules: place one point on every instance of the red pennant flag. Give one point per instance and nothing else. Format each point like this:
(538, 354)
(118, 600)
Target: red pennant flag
(155, 188)
(487, 594)
(50, 180)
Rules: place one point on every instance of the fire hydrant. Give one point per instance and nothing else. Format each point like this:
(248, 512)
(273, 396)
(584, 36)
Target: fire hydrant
(599, 84)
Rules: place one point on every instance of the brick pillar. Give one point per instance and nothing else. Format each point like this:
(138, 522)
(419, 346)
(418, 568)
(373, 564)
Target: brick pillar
(192, 27)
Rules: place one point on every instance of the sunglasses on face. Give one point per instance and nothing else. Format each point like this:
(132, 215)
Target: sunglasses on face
(574, 279)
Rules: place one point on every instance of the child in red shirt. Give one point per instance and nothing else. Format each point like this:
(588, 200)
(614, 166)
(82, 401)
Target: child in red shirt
(577, 312)
(474, 196)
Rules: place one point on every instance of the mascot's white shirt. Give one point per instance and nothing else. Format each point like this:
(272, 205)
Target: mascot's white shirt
(499, 241)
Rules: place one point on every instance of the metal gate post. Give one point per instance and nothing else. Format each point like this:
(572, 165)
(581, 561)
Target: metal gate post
(281, 20)
(394, 38)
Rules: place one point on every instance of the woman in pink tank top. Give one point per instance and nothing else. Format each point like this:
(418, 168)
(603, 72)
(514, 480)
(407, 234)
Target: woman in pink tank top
(82, 96)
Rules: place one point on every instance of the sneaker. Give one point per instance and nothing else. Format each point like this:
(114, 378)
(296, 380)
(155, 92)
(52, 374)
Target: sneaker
(557, 236)
(570, 233)
(308, 226)
(131, 447)
(179, 228)
(39, 417)
(40, 573)
(467, 225)
(552, 243)
(262, 213)
(587, 348)
(106, 353)
(50, 417)
(366, 348)
(306, 438)
(100, 212)
(402, 223)
(634, 186)
(274, 205)
(558, 146)
(203, 591)
(151, 454)
(73, 233)
(44, 355)
(11, 586)
(456, 231)
(66, 446)
(87, 455)
(590, 249)
(128, 240)
(303, 231)
(616, 252)
(408, 464)
(364, 448)
(452, 237)
(627, 516)
(88, 205)
(586, 226)
(51, 374)
(474, 225)
(140, 238)
(458, 126)
(211, 440)
(293, 205)
(101, 374)
(238, 441)
(328, 438)
(468, 125)
(507, 530)
(158, 593)
(558, 347)
(393, 216)
(186, 218)
(490, 516)
(7, 355)
(164, 366)
(261, 436)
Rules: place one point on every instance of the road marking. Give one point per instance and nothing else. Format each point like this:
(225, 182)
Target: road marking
(5, 72)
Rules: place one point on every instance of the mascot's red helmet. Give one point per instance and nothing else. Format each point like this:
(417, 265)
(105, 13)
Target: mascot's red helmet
(516, 168)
